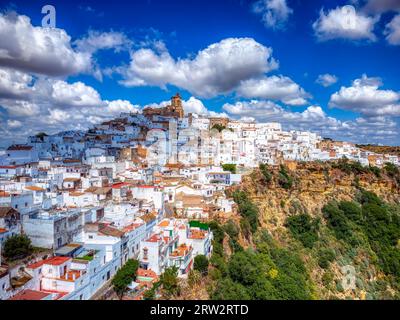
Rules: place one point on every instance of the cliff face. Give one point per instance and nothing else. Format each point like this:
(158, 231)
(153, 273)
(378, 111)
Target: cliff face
(315, 185)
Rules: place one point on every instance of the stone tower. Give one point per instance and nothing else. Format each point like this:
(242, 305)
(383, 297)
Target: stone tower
(176, 105)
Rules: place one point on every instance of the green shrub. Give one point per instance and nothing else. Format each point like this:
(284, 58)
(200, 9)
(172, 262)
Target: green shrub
(265, 172)
(284, 179)
(201, 264)
(325, 257)
(229, 167)
(247, 209)
(169, 282)
(231, 230)
(124, 277)
(304, 229)
(17, 247)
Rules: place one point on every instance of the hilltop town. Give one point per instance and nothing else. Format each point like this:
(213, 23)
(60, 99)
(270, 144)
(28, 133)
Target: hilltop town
(143, 186)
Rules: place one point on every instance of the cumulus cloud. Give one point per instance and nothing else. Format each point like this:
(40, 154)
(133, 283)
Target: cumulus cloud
(314, 119)
(274, 13)
(274, 88)
(344, 23)
(51, 51)
(14, 124)
(326, 79)
(53, 105)
(96, 40)
(392, 31)
(14, 84)
(215, 70)
(38, 50)
(365, 97)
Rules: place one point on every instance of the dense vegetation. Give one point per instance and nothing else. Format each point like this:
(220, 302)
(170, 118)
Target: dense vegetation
(229, 167)
(369, 222)
(169, 282)
(124, 277)
(263, 273)
(247, 209)
(284, 178)
(201, 264)
(304, 229)
(312, 249)
(17, 247)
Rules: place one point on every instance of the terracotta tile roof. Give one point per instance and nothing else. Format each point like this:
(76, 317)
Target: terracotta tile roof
(131, 227)
(72, 179)
(146, 273)
(2, 230)
(56, 261)
(148, 217)
(154, 238)
(34, 188)
(76, 194)
(30, 295)
(181, 251)
(111, 231)
(197, 234)
(35, 265)
(19, 147)
(4, 194)
(71, 275)
(164, 223)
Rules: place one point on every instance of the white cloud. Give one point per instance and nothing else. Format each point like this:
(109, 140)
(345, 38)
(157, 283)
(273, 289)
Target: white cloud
(20, 108)
(55, 105)
(274, 88)
(326, 79)
(38, 50)
(14, 124)
(365, 97)
(119, 106)
(274, 13)
(344, 23)
(218, 69)
(77, 94)
(96, 40)
(392, 31)
(314, 119)
(14, 84)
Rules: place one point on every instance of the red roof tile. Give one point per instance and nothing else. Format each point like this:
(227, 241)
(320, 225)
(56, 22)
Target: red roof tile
(30, 295)
(56, 261)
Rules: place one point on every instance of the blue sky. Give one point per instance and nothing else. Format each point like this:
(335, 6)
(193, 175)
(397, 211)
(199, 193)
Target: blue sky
(246, 59)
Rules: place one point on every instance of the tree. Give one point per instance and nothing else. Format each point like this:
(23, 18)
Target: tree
(231, 167)
(218, 127)
(326, 256)
(244, 268)
(229, 290)
(266, 173)
(201, 264)
(169, 282)
(304, 229)
(284, 179)
(247, 209)
(17, 247)
(124, 277)
(351, 210)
